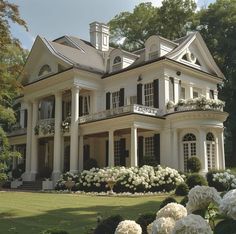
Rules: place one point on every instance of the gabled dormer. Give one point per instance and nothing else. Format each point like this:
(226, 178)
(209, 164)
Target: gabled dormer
(120, 59)
(157, 46)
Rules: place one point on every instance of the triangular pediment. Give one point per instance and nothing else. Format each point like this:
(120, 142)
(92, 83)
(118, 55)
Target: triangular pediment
(42, 61)
(194, 53)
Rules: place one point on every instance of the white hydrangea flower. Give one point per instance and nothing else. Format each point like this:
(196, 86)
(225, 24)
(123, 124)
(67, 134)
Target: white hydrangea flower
(149, 228)
(192, 224)
(162, 226)
(200, 197)
(172, 210)
(128, 227)
(228, 204)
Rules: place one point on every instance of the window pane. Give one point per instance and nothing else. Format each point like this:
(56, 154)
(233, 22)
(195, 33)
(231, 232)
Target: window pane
(148, 94)
(115, 99)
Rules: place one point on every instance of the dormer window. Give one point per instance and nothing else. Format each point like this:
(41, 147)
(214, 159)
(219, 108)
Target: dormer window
(44, 70)
(153, 54)
(117, 63)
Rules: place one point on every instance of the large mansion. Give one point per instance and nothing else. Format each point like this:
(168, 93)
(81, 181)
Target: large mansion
(84, 100)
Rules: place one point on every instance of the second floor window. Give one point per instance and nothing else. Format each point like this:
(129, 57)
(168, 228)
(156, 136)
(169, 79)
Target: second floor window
(182, 93)
(148, 94)
(115, 99)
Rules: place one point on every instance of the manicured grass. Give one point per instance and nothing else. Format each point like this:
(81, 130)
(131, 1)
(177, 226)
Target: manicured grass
(28, 213)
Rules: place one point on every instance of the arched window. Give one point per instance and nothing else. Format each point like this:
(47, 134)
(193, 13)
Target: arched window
(210, 147)
(45, 69)
(117, 59)
(189, 147)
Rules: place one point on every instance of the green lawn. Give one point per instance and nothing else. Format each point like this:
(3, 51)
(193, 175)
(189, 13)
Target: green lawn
(31, 213)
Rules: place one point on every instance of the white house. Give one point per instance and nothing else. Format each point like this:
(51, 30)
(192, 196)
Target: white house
(86, 100)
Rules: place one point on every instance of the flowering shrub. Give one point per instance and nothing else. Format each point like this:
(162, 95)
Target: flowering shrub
(200, 197)
(143, 179)
(61, 183)
(65, 125)
(172, 210)
(194, 224)
(227, 179)
(162, 226)
(128, 227)
(228, 204)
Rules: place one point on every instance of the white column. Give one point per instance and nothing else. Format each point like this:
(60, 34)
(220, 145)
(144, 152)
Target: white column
(62, 152)
(81, 153)
(134, 147)
(164, 91)
(215, 94)
(26, 175)
(57, 138)
(176, 90)
(207, 93)
(111, 149)
(221, 149)
(189, 91)
(202, 150)
(74, 153)
(175, 157)
(34, 143)
(217, 162)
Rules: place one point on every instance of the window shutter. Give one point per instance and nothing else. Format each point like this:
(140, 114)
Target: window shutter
(140, 150)
(122, 152)
(139, 94)
(86, 152)
(108, 101)
(122, 97)
(80, 106)
(157, 148)
(156, 93)
(171, 89)
(25, 118)
(107, 152)
(53, 109)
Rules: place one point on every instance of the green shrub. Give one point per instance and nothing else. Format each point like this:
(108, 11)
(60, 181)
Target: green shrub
(184, 201)
(3, 177)
(108, 226)
(166, 201)
(54, 231)
(144, 220)
(182, 189)
(195, 179)
(226, 226)
(194, 164)
(90, 163)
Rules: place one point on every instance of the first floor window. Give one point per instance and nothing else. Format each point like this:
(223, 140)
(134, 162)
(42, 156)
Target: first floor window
(115, 99)
(148, 94)
(117, 153)
(210, 148)
(149, 146)
(189, 147)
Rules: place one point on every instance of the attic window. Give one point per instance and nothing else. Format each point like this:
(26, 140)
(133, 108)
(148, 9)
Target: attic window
(44, 70)
(117, 59)
(117, 65)
(190, 57)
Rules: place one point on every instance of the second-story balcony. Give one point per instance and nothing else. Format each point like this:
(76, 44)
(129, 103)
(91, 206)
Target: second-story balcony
(16, 130)
(45, 127)
(124, 110)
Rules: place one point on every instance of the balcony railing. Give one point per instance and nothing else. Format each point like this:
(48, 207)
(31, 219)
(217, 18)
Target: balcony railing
(135, 109)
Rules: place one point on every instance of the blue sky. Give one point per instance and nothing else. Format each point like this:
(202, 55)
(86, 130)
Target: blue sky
(54, 18)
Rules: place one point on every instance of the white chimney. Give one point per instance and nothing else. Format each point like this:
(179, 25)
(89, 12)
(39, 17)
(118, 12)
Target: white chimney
(99, 36)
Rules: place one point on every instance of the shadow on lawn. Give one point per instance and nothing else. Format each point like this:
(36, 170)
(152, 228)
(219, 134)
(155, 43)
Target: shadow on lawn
(74, 220)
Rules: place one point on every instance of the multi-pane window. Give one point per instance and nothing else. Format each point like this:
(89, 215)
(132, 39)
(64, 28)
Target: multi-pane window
(149, 146)
(189, 147)
(115, 99)
(210, 142)
(117, 153)
(148, 94)
(195, 94)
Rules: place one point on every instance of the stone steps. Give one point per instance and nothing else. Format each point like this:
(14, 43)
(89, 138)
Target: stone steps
(31, 185)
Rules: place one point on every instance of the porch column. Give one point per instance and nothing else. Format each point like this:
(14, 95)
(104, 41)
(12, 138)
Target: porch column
(74, 153)
(34, 142)
(176, 90)
(221, 149)
(134, 147)
(111, 149)
(26, 175)
(57, 137)
(202, 150)
(81, 153)
(189, 91)
(215, 94)
(175, 158)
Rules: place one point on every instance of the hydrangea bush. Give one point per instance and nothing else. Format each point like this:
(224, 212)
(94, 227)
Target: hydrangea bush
(60, 185)
(133, 179)
(128, 227)
(227, 179)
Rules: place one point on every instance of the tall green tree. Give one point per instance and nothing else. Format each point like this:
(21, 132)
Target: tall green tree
(171, 20)
(12, 58)
(217, 24)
